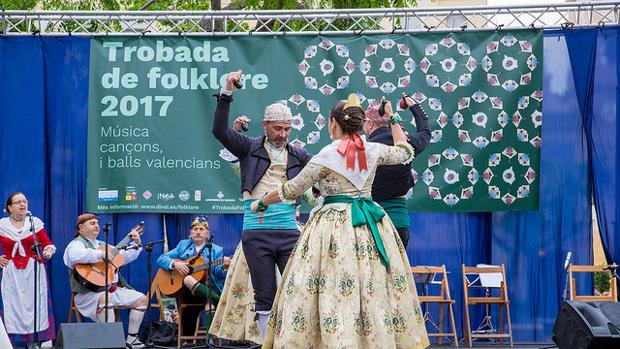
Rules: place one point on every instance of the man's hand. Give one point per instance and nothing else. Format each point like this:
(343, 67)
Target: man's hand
(232, 77)
(133, 235)
(239, 122)
(388, 109)
(410, 102)
(181, 267)
(226, 263)
(254, 206)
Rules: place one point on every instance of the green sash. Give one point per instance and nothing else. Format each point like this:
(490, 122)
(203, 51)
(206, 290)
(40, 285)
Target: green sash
(364, 211)
(397, 210)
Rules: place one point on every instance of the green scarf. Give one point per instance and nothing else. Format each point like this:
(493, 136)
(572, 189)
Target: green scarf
(364, 211)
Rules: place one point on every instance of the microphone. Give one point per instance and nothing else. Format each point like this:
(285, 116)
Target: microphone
(567, 261)
(28, 214)
(238, 84)
(611, 267)
(106, 227)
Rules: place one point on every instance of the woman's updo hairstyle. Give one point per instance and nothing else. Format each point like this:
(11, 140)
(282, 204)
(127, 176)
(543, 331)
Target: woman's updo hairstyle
(349, 115)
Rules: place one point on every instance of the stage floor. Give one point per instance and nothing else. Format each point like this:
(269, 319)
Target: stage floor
(495, 346)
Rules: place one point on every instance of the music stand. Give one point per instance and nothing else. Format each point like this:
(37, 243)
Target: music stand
(424, 279)
(487, 282)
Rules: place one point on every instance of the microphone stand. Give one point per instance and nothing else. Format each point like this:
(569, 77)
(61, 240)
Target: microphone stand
(209, 246)
(37, 257)
(210, 311)
(612, 268)
(566, 281)
(148, 247)
(106, 262)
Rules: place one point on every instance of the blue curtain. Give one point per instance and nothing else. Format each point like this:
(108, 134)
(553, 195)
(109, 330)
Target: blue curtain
(44, 96)
(603, 129)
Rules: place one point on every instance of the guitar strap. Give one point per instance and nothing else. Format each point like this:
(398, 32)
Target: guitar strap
(193, 259)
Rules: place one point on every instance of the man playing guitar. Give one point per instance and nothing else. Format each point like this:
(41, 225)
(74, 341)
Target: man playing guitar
(191, 254)
(90, 299)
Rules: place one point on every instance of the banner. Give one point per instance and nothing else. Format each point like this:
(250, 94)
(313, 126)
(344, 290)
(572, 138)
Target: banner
(150, 147)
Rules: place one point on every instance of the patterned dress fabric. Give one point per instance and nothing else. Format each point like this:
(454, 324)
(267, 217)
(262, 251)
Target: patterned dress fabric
(335, 291)
(234, 317)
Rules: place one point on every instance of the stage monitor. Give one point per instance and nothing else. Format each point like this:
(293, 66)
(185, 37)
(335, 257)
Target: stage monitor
(587, 325)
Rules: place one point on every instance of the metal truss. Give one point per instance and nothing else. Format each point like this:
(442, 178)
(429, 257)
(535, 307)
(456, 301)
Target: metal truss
(309, 22)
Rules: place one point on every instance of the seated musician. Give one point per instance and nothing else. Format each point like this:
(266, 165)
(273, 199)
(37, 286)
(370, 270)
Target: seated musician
(90, 301)
(196, 291)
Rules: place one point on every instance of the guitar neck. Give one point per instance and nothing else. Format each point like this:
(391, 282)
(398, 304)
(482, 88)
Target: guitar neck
(215, 263)
(126, 240)
(122, 244)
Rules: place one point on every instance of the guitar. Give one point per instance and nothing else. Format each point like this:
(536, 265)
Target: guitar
(171, 281)
(92, 276)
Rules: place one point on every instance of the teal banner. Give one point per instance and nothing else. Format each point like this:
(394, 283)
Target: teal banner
(150, 147)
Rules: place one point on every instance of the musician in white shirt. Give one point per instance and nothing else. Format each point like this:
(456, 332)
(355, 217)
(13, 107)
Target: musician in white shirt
(91, 302)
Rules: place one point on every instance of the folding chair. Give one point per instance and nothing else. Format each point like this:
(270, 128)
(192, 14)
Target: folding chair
(613, 295)
(425, 275)
(488, 278)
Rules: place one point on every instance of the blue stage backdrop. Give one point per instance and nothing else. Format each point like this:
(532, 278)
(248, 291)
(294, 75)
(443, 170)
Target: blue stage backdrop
(43, 103)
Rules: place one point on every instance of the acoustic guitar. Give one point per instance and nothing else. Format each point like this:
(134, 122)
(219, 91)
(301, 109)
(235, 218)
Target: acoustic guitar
(171, 281)
(92, 276)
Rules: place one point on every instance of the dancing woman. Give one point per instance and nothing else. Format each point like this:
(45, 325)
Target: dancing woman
(347, 283)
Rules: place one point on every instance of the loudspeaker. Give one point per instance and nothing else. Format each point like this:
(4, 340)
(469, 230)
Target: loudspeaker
(91, 336)
(587, 325)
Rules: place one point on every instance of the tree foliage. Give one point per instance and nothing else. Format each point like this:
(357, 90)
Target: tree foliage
(197, 5)
(162, 5)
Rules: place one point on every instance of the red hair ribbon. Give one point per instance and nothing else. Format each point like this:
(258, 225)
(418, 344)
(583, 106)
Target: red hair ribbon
(351, 145)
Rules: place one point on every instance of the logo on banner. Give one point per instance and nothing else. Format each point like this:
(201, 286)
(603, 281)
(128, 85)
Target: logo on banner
(147, 195)
(220, 195)
(184, 195)
(131, 194)
(197, 195)
(107, 195)
(165, 196)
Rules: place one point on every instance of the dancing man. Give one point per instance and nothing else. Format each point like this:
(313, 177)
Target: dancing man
(392, 183)
(269, 236)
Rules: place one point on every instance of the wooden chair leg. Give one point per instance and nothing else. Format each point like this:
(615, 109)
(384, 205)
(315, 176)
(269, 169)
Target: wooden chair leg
(456, 338)
(467, 325)
(440, 323)
(73, 310)
(180, 333)
(509, 324)
(501, 322)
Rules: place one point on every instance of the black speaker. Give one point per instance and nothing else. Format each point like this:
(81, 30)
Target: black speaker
(587, 325)
(91, 336)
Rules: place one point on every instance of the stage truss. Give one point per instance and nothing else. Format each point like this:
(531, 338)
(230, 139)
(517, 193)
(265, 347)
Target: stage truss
(309, 22)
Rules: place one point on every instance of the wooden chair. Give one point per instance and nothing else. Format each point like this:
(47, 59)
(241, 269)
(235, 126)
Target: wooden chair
(490, 278)
(442, 299)
(73, 310)
(613, 295)
(198, 333)
(156, 292)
